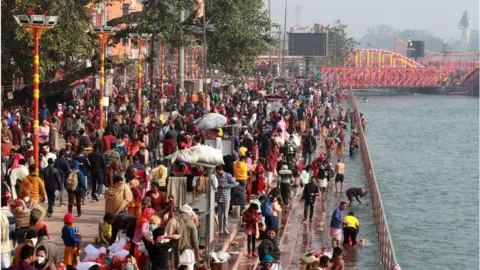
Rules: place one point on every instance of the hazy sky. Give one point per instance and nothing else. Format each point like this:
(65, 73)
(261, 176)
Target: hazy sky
(439, 17)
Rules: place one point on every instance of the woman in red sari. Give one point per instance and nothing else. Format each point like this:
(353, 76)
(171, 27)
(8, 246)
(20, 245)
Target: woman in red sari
(260, 176)
(156, 197)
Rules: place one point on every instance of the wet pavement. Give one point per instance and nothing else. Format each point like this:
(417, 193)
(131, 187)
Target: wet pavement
(298, 238)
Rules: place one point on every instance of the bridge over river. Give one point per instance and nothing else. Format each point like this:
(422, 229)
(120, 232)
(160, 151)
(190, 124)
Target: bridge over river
(377, 68)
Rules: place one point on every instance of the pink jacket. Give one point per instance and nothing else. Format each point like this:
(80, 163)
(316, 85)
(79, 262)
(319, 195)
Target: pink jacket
(44, 133)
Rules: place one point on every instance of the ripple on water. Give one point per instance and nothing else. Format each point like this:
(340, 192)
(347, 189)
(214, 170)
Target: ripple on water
(425, 154)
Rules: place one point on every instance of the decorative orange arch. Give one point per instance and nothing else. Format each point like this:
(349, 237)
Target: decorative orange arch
(368, 57)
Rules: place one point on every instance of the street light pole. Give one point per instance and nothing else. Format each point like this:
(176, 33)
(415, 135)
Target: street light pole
(36, 25)
(284, 39)
(186, 63)
(139, 90)
(103, 42)
(37, 32)
(103, 33)
(181, 59)
(192, 69)
(163, 67)
(270, 72)
(204, 58)
(140, 39)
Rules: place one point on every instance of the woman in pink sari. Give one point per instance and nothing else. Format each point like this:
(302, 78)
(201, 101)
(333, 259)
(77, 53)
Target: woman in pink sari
(143, 226)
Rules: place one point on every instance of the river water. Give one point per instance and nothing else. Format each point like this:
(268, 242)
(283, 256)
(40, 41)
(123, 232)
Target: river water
(425, 153)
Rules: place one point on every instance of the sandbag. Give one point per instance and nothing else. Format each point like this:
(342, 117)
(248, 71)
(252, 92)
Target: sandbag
(187, 155)
(93, 253)
(207, 154)
(121, 253)
(296, 140)
(86, 265)
(118, 246)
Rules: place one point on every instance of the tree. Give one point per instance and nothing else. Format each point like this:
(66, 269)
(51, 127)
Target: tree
(60, 47)
(237, 31)
(380, 37)
(339, 45)
(240, 33)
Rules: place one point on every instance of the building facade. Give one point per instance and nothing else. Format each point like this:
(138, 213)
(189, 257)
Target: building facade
(115, 9)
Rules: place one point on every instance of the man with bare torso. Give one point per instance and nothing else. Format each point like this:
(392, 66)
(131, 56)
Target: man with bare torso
(340, 171)
(337, 260)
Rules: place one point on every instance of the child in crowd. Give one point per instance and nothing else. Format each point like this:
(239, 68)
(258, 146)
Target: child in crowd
(260, 176)
(267, 262)
(71, 242)
(251, 218)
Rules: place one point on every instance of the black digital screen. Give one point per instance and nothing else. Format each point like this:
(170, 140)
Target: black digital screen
(416, 48)
(307, 44)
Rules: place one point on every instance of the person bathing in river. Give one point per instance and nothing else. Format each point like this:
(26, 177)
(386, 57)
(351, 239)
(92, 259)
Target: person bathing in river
(355, 192)
(340, 175)
(363, 121)
(337, 260)
(351, 227)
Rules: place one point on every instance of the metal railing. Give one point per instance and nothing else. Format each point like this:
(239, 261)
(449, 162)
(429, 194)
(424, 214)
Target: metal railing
(387, 252)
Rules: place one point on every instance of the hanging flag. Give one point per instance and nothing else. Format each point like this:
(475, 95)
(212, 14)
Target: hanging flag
(201, 9)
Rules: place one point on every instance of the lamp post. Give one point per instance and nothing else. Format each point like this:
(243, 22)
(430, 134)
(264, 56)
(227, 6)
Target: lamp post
(186, 63)
(36, 25)
(103, 33)
(140, 39)
(163, 67)
(284, 39)
(192, 65)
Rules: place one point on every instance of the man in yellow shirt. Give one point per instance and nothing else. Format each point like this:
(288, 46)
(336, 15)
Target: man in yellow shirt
(240, 172)
(351, 227)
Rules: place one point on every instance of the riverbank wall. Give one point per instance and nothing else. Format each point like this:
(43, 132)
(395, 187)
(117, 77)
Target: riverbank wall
(387, 251)
(467, 90)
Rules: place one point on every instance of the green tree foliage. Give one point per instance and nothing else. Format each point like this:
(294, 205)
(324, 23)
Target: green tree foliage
(340, 45)
(240, 33)
(237, 31)
(60, 47)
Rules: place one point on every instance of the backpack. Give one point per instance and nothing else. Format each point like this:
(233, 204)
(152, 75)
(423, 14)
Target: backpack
(311, 144)
(72, 181)
(70, 124)
(290, 149)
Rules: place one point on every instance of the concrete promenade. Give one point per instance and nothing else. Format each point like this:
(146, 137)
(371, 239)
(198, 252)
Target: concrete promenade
(296, 237)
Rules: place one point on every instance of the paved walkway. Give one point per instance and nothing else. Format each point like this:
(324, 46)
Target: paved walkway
(304, 237)
(297, 237)
(87, 224)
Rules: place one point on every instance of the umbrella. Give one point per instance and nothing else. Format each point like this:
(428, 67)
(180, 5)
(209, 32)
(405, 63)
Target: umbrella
(211, 121)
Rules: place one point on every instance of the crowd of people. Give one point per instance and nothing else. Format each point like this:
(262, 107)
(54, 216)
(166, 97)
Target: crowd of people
(151, 201)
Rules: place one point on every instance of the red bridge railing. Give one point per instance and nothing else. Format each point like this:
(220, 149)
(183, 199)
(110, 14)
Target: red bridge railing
(383, 77)
(471, 77)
